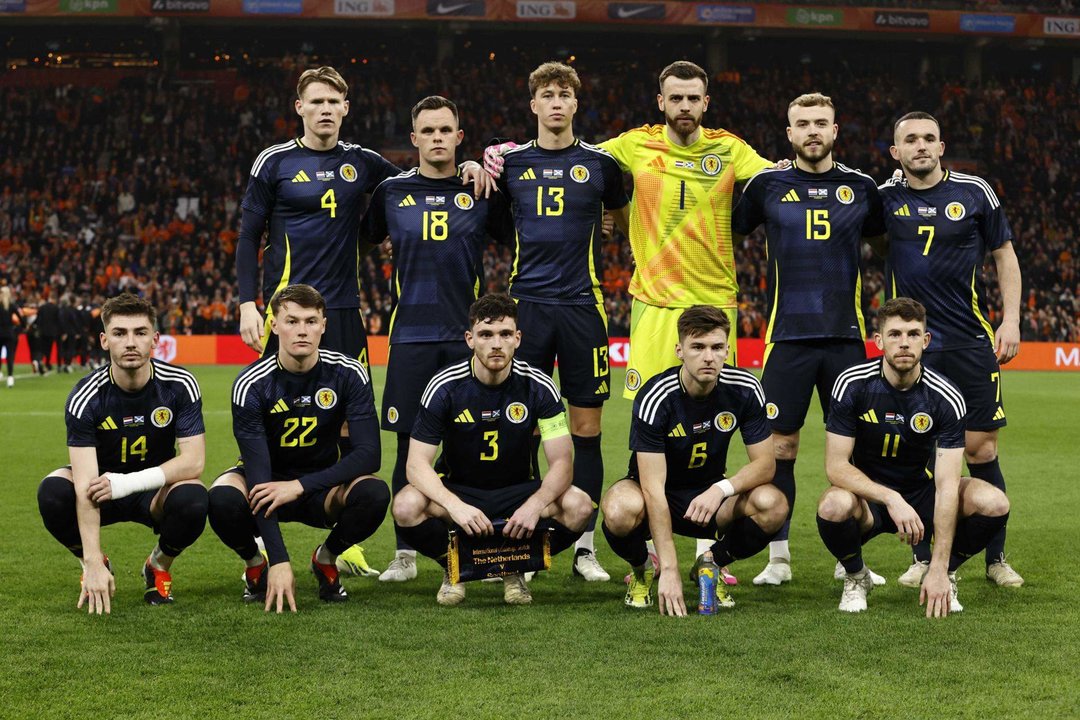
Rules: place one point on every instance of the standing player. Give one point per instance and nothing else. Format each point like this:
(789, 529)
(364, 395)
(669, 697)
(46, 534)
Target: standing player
(941, 224)
(310, 191)
(816, 214)
(125, 423)
(484, 411)
(887, 417)
(559, 187)
(288, 410)
(438, 233)
(683, 422)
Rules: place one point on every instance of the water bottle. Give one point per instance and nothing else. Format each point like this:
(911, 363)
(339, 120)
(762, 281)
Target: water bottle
(708, 574)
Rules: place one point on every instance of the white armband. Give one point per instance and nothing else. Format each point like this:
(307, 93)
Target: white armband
(124, 484)
(726, 486)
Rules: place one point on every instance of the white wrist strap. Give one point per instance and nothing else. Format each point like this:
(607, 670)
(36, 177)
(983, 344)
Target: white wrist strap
(726, 486)
(124, 484)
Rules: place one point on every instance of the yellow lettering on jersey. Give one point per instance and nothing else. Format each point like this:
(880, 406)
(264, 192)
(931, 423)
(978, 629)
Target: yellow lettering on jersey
(553, 427)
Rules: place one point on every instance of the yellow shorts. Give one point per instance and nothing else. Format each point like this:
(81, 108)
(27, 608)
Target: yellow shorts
(654, 334)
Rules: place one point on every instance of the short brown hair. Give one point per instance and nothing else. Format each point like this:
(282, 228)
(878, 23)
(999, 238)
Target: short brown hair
(554, 72)
(684, 70)
(303, 295)
(812, 100)
(904, 308)
(324, 74)
(701, 320)
(128, 305)
(493, 306)
(433, 102)
(916, 115)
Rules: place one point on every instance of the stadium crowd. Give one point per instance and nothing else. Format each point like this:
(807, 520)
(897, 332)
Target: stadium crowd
(138, 186)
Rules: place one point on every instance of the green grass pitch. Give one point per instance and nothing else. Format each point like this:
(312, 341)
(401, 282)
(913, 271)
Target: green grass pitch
(576, 652)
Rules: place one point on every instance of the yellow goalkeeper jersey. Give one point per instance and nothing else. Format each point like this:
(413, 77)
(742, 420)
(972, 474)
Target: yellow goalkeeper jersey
(680, 216)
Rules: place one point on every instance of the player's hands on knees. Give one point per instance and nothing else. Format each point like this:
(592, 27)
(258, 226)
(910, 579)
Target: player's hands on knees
(935, 593)
(251, 326)
(280, 588)
(471, 519)
(909, 525)
(268, 497)
(703, 508)
(100, 489)
(98, 587)
(669, 595)
(482, 183)
(523, 522)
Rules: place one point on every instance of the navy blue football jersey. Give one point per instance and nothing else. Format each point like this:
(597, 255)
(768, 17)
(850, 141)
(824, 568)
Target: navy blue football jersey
(485, 431)
(438, 231)
(814, 226)
(938, 239)
(314, 200)
(558, 199)
(896, 431)
(134, 431)
(693, 434)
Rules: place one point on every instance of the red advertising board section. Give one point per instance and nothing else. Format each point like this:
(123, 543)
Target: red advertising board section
(230, 350)
(706, 14)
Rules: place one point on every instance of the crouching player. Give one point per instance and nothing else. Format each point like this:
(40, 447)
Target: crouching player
(484, 411)
(288, 409)
(124, 424)
(682, 425)
(886, 418)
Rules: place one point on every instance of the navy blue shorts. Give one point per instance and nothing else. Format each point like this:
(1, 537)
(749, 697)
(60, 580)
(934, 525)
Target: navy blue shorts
(132, 508)
(977, 373)
(678, 500)
(345, 333)
(496, 503)
(794, 368)
(309, 509)
(921, 500)
(577, 336)
(409, 369)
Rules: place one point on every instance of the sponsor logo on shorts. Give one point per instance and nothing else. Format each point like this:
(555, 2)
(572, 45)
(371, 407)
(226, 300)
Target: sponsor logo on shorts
(921, 422)
(711, 164)
(633, 380)
(725, 421)
(517, 412)
(392, 415)
(326, 398)
(771, 411)
(161, 417)
(579, 174)
(464, 201)
(845, 194)
(348, 173)
(955, 211)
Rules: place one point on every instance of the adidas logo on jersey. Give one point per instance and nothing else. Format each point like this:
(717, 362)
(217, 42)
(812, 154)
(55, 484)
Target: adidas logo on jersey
(301, 177)
(677, 431)
(527, 175)
(870, 417)
(905, 211)
(407, 202)
(464, 417)
(791, 196)
(107, 424)
(279, 407)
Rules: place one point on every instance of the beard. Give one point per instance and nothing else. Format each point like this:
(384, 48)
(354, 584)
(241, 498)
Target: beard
(682, 125)
(813, 155)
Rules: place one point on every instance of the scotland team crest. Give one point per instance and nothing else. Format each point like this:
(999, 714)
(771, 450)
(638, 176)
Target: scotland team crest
(391, 415)
(579, 174)
(348, 173)
(845, 194)
(633, 380)
(464, 201)
(161, 417)
(711, 164)
(955, 211)
(772, 411)
(326, 398)
(725, 421)
(517, 412)
(921, 422)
